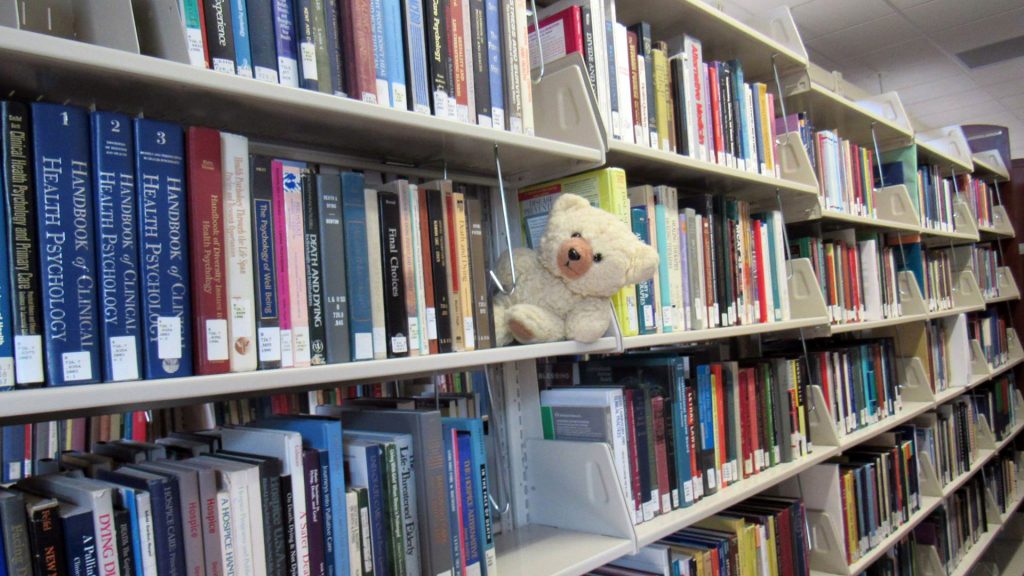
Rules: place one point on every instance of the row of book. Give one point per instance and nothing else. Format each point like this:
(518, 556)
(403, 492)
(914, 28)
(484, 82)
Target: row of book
(949, 353)
(355, 490)
(681, 428)
(936, 195)
(858, 380)
(661, 93)
(940, 279)
(984, 260)
(461, 59)
(1003, 479)
(845, 171)
(949, 436)
(996, 400)
(956, 525)
(989, 328)
(980, 197)
(761, 535)
(190, 255)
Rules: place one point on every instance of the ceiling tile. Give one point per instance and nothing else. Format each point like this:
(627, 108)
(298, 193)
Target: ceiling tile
(966, 34)
(938, 88)
(820, 17)
(943, 14)
(1013, 102)
(877, 34)
(998, 73)
(1014, 85)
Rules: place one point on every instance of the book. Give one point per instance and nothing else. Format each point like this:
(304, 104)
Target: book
(313, 269)
(262, 41)
(357, 266)
(194, 32)
(240, 28)
(22, 244)
(394, 52)
(416, 70)
(206, 229)
(495, 62)
(116, 239)
(285, 41)
(15, 534)
(439, 71)
(66, 236)
(335, 288)
(305, 37)
(439, 263)
(365, 462)
(264, 230)
(220, 35)
(392, 260)
(163, 248)
(411, 274)
(240, 264)
(478, 264)
(291, 273)
(375, 250)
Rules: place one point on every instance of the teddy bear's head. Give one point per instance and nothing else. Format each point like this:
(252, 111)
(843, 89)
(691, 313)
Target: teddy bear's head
(594, 252)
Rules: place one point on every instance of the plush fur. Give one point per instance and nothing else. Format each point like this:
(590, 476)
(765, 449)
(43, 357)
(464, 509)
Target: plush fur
(562, 288)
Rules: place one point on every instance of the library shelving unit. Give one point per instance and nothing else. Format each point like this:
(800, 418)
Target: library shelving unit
(989, 166)
(948, 149)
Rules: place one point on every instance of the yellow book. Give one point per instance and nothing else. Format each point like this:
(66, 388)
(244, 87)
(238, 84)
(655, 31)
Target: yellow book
(662, 97)
(465, 280)
(767, 116)
(745, 539)
(605, 189)
(851, 519)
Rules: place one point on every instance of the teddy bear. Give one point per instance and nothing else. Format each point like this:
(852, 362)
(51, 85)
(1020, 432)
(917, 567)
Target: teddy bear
(562, 287)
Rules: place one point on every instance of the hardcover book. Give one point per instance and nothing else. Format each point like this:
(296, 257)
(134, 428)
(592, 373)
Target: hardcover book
(220, 35)
(240, 27)
(393, 50)
(291, 263)
(285, 40)
(360, 70)
(268, 327)
(438, 64)
(314, 270)
(416, 71)
(495, 63)
(66, 237)
(262, 42)
(357, 266)
(116, 240)
(395, 311)
(376, 268)
(163, 248)
(335, 287)
(238, 253)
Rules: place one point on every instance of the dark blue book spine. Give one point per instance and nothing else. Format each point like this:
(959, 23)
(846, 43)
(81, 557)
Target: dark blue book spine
(384, 95)
(68, 259)
(495, 63)
(116, 245)
(174, 530)
(303, 17)
(284, 37)
(470, 514)
(327, 511)
(243, 48)
(357, 265)
(416, 57)
(262, 43)
(336, 60)
(6, 312)
(268, 320)
(13, 453)
(80, 544)
(378, 503)
(163, 248)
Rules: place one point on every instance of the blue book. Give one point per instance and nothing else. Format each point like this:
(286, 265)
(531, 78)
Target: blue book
(644, 290)
(262, 40)
(284, 36)
(357, 265)
(324, 435)
(661, 230)
(416, 57)
(13, 447)
(64, 199)
(680, 425)
(79, 540)
(469, 504)
(472, 429)
(116, 245)
(126, 499)
(381, 64)
(240, 26)
(495, 62)
(910, 256)
(365, 464)
(707, 429)
(394, 53)
(163, 248)
(739, 100)
(451, 463)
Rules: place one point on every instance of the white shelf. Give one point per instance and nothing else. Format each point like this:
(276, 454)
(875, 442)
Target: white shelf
(58, 69)
(946, 148)
(990, 166)
(894, 208)
(1001, 226)
(1007, 286)
(532, 550)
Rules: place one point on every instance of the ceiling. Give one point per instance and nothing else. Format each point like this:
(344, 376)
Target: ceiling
(909, 46)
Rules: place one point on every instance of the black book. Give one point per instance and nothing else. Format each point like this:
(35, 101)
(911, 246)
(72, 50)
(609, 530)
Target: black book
(314, 269)
(45, 536)
(335, 59)
(123, 535)
(314, 511)
(288, 513)
(481, 66)
(262, 45)
(644, 46)
(729, 119)
(308, 70)
(438, 60)
(438, 262)
(220, 35)
(22, 244)
(332, 275)
(677, 69)
(268, 323)
(396, 318)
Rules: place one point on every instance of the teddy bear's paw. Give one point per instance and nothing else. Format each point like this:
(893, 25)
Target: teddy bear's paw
(529, 324)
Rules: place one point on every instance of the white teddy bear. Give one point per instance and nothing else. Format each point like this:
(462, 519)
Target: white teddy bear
(562, 288)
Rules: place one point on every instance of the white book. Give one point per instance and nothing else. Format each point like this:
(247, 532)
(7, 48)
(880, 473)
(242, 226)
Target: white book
(643, 129)
(235, 478)
(144, 511)
(675, 264)
(207, 481)
(287, 447)
(697, 97)
(765, 264)
(355, 564)
(872, 290)
(238, 252)
(778, 226)
(610, 399)
(623, 83)
(226, 531)
(380, 349)
(418, 273)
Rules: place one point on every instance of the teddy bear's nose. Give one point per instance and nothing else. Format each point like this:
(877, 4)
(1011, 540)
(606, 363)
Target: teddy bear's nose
(574, 255)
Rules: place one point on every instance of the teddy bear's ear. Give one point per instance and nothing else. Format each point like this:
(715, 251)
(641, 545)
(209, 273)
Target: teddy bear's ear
(568, 203)
(643, 263)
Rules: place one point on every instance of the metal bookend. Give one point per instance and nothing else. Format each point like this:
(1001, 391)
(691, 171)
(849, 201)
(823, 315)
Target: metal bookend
(1007, 285)
(992, 161)
(966, 293)
(979, 365)
(911, 300)
(565, 107)
(805, 297)
(159, 29)
(928, 476)
(794, 164)
(914, 379)
(963, 221)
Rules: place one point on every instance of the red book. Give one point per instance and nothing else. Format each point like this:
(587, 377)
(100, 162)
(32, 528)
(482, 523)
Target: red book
(454, 289)
(661, 454)
(140, 427)
(746, 445)
(457, 53)
(430, 330)
(759, 259)
(716, 114)
(718, 397)
(566, 26)
(627, 397)
(784, 530)
(360, 66)
(206, 252)
(634, 81)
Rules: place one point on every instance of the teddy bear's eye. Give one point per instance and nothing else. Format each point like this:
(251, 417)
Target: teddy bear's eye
(577, 235)
(597, 257)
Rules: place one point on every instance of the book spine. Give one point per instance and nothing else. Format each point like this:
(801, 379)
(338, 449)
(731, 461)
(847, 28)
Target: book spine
(206, 221)
(480, 63)
(262, 43)
(23, 247)
(438, 57)
(285, 42)
(377, 509)
(335, 293)
(268, 328)
(299, 310)
(309, 75)
(314, 512)
(429, 325)
(365, 543)
(495, 63)
(354, 539)
(65, 211)
(116, 234)
(380, 60)
(456, 536)
(394, 51)
(123, 537)
(395, 523)
(478, 263)
(468, 304)
(240, 27)
(238, 255)
(15, 537)
(324, 73)
(456, 49)
(525, 79)
(513, 68)
(466, 54)
(220, 35)
(6, 311)
(79, 544)
(416, 71)
(46, 543)
(357, 269)
(451, 257)
(439, 267)
(160, 168)
(468, 504)
(195, 35)
(410, 268)
(395, 311)
(335, 58)
(314, 270)
(376, 267)
(284, 278)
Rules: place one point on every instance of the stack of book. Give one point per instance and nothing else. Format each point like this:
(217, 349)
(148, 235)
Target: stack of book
(461, 59)
(858, 381)
(957, 524)
(681, 428)
(949, 437)
(857, 274)
(168, 252)
(935, 196)
(762, 535)
(979, 197)
(989, 329)
(661, 93)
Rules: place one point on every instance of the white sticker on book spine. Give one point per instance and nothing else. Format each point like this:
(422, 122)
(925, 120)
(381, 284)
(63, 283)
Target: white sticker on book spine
(216, 339)
(380, 341)
(6, 373)
(301, 351)
(469, 329)
(265, 74)
(168, 337)
(400, 103)
(241, 318)
(124, 361)
(363, 346)
(414, 332)
(194, 41)
(269, 344)
(28, 358)
(287, 360)
(224, 65)
(308, 52)
(77, 366)
(383, 92)
(245, 71)
(287, 68)
(399, 344)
